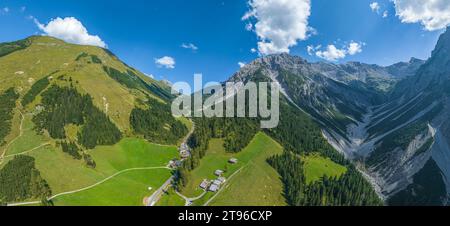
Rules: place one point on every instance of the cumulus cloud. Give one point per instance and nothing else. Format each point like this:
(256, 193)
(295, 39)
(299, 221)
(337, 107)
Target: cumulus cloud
(354, 48)
(70, 30)
(432, 14)
(312, 49)
(385, 14)
(375, 6)
(166, 61)
(279, 24)
(189, 46)
(241, 64)
(332, 53)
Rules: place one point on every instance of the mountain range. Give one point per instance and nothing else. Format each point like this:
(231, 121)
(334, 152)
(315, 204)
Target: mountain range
(390, 123)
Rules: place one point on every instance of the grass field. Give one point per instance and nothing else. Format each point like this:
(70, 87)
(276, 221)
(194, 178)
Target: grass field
(64, 174)
(253, 181)
(128, 189)
(257, 184)
(316, 167)
(29, 139)
(170, 199)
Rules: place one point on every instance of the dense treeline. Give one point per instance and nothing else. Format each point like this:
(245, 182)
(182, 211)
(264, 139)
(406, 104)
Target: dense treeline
(98, 129)
(7, 103)
(71, 148)
(35, 90)
(297, 133)
(351, 189)
(20, 180)
(10, 47)
(157, 124)
(63, 106)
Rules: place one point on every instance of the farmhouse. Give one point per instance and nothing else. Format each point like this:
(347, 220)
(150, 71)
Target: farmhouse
(222, 179)
(184, 151)
(217, 182)
(204, 185)
(185, 154)
(233, 161)
(218, 173)
(214, 188)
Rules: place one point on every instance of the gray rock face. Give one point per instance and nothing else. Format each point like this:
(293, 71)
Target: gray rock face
(395, 118)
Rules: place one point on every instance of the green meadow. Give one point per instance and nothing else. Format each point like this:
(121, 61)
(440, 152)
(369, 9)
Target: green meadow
(317, 166)
(257, 183)
(127, 189)
(65, 174)
(249, 182)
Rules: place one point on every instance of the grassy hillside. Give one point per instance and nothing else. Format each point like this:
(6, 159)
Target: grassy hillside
(250, 182)
(58, 96)
(257, 184)
(60, 61)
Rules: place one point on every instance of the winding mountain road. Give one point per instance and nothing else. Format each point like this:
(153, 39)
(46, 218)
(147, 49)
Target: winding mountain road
(154, 198)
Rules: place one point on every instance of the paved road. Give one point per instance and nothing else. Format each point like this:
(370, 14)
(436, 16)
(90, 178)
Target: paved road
(153, 199)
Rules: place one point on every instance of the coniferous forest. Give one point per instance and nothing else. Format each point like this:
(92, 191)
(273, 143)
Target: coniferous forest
(20, 180)
(7, 103)
(157, 124)
(62, 106)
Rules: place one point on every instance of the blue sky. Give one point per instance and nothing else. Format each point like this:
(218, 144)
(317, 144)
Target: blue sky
(140, 31)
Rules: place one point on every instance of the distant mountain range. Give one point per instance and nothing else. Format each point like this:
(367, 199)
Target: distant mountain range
(392, 121)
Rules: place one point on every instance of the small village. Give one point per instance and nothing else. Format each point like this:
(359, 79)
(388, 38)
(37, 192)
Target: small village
(206, 185)
(214, 185)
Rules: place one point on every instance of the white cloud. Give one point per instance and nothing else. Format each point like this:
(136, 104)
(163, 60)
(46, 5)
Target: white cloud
(332, 53)
(385, 14)
(432, 14)
(5, 10)
(70, 30)
(312, 49)
(241, 64)
(253, 50)
(167, 62)
(280, 24)
(375, 6)
(189, 46)
(354, 48)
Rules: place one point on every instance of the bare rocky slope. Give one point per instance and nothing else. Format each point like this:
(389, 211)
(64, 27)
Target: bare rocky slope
(392, 121)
